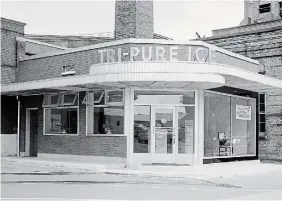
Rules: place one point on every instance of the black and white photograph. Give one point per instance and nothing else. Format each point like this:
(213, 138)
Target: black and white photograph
(141, 100)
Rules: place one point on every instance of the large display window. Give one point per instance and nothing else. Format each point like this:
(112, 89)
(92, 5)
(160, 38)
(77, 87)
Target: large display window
(61, 114)
(229, 125)
(104, 112)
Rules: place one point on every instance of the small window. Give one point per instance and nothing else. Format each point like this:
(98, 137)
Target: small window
(51, 100)
(262, 127)
(94, 98)
(262, 103)
(262, 119)
(56, 100)
(264, 8)
(69, 99)
(114, 97)
(68, 70)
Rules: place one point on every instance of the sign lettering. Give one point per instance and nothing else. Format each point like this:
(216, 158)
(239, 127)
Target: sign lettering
(157, 53)
(243, 112)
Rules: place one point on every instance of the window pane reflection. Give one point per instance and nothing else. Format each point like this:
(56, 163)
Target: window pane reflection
(163, 130)
(186, 129)
(142, 126)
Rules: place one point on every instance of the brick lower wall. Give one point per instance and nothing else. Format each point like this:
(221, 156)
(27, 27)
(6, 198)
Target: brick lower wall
(271, 149)
(65, 144)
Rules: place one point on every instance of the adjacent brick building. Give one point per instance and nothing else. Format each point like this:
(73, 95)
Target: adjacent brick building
(260, 37)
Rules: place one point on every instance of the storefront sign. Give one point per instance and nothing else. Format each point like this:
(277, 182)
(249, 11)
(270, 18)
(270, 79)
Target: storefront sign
(243, 112)
(156, 53)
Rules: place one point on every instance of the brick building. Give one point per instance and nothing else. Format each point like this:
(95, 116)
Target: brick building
(260, 37)
(136, 96)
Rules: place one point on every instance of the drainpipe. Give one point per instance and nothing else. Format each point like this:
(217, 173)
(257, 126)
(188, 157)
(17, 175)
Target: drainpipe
(18, 130)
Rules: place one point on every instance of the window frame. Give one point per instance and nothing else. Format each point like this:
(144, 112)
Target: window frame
(51, 105)
(105, 135)
(62, 107)
(68, 104)
(88, 103)
(105, 105)
(264, 7)
(262, 113)
(114, 103)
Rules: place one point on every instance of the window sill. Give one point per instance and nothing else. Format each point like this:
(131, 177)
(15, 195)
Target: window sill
(106, 135)
(68, 73)
(75, 134)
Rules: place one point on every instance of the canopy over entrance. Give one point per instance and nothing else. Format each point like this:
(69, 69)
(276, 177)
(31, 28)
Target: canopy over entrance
(141, 63)
(154, 75)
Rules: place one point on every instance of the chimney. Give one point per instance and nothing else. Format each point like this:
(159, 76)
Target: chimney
(134, 19)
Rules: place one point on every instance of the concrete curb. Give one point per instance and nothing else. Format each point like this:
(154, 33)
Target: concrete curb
(102, 168)
(195, 172)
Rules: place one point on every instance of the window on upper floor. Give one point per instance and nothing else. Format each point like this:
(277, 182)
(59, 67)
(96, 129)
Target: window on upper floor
(264, 8)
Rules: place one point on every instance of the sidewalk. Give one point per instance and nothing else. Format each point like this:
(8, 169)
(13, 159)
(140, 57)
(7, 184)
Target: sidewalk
(208, 171)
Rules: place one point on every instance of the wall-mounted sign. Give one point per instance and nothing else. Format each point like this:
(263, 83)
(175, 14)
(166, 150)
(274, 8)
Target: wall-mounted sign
(157, 53)
(243, 112)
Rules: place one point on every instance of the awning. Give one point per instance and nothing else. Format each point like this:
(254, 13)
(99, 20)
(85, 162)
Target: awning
(157, 75)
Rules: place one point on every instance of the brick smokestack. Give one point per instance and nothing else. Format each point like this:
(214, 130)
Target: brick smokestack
(134, 19)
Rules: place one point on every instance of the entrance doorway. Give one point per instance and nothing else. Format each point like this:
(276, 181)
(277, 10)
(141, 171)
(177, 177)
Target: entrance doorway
(172, 134)
(164, 127)
(31, 134)
(163, 134)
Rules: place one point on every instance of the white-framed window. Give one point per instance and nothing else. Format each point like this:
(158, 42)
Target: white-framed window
(94, 97)
(68, 70)
(61, 116)
(114, 97)
(104, 112)
(51, 100)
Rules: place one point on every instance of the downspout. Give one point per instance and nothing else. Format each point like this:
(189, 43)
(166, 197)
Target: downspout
(18, 130)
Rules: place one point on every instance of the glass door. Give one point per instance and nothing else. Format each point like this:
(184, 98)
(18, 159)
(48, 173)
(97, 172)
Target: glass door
(163, 134)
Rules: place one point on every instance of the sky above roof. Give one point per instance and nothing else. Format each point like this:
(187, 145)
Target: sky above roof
(179, 20)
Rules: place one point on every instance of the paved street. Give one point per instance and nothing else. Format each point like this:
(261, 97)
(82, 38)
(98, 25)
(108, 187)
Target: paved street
(33, 181)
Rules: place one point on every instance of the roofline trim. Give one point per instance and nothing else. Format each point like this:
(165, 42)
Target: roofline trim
(21, 39)
(140, 41)
(176, 67)
(13, 21)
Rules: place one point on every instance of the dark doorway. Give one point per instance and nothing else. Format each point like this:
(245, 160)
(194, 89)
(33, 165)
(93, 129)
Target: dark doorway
(33, 132)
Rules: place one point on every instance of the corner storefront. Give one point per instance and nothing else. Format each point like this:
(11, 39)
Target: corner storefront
(146, 101)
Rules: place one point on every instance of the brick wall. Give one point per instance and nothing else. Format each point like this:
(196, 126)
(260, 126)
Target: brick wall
(265, 46)
(134, 19)
(9, 31)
